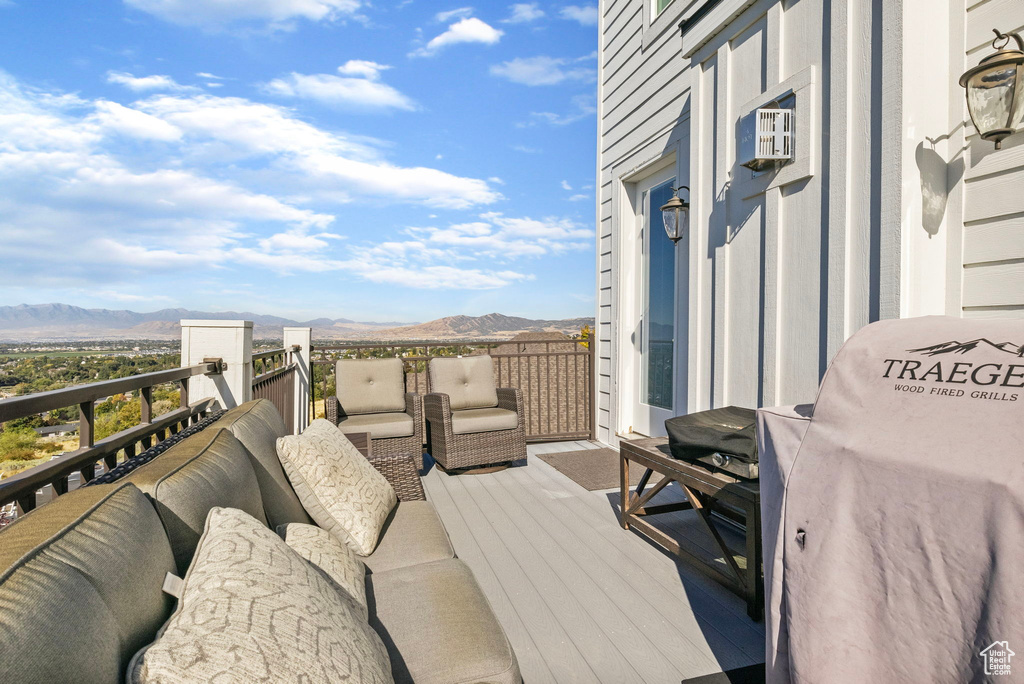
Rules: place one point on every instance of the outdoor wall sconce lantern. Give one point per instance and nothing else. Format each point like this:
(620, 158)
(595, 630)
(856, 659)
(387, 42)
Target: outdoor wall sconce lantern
(995, 90)
(675, 215)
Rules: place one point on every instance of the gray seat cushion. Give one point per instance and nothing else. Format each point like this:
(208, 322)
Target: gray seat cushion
(412, 534)
(80, 586)
(379, 425)
(483, 420)
(438, 626)
(210, 468)
(258, 425)
(370, 385)
(468, 382)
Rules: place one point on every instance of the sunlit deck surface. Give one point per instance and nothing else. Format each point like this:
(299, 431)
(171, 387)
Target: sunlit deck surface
(581, 599)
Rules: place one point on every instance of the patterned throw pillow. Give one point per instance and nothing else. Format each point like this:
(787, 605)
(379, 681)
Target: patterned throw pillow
(251, 609)
(337, 561)
(337, 486)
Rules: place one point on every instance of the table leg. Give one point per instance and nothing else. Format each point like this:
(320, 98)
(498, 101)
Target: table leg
(623, 490)
(755, 585)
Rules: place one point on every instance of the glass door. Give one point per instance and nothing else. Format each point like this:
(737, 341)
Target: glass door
(655, 342)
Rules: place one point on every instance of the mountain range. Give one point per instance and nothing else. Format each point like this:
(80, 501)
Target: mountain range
(47, 322)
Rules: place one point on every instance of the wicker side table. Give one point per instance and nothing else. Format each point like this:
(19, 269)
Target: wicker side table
(401, 470)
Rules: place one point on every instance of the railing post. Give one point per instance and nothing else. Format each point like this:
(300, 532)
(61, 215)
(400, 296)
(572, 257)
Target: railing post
(227, 340)
(302, 338)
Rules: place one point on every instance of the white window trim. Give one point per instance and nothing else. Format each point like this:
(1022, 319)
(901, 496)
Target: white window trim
(670, 17)
(712, 23)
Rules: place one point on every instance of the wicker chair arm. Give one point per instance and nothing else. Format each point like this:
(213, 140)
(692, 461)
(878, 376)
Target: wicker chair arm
(511, 399)
(438, 409)
(333, 411)
(414, 408)
(403, 472)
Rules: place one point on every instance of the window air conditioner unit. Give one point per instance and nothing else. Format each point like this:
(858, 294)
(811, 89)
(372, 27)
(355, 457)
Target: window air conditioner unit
(766, 138)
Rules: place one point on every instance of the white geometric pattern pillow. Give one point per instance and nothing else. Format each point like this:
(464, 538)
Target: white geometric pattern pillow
(251, 609)
(338, 562)
(337, 486)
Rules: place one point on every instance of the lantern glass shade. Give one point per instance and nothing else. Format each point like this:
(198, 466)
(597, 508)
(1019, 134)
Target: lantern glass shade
(675, 216)
(995, 90)
(677, 220)
(995, 98)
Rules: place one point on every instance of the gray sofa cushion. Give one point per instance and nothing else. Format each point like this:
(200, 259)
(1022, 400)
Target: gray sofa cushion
(370, 385)
(210, 468)
(379, 425)
(468, 382)
(412, 534)
(438, 626)
(80, 586)
(483, 420)
(258, 425)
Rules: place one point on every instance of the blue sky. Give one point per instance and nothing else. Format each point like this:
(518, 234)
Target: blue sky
(395, 160)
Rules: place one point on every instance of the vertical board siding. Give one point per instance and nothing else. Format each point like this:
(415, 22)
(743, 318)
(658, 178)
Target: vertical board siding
(993, 211)
(761, 298)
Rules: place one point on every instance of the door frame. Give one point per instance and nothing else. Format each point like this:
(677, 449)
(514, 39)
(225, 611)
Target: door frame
(633, 416)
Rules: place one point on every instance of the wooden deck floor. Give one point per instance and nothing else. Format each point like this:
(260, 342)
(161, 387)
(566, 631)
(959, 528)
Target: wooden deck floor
(583, 600)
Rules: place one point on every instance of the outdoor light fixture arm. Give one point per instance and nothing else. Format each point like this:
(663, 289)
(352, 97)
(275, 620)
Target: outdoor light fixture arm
(675, 215)
(994, 90)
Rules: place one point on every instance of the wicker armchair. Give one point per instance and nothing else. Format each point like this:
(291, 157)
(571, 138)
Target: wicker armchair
(371, 398)
(483, 425)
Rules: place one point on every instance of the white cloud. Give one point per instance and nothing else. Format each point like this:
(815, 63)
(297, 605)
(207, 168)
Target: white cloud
(274, 14)
(470, 30)
(207, 74)
(523, 12)
(498, 236)
(578, 198)
(128, 297)
(358, 88)
(144, 83)
(363, 68)
(543, 70)
(458, 13)
(585, 15)
(566, 186)
(232, 181)
(329, 166)
(131, 122)
(585, 106)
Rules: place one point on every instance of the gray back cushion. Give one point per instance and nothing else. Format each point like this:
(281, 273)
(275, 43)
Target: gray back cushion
(210, 468)
(468, 382)
(80, 586)
(370, 385)
(258, 425)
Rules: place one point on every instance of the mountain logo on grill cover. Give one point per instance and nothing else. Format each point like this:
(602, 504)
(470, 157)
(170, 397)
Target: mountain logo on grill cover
(954, 347)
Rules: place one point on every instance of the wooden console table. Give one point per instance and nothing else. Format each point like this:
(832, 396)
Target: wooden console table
(705, 490)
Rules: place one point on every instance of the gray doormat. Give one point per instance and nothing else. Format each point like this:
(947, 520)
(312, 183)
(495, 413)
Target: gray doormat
(594, 469)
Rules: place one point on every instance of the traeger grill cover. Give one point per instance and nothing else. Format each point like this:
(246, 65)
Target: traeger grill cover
(893, 510)
(728, 430)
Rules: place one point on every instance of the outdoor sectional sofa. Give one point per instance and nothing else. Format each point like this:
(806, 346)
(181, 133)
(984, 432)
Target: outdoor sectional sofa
(81, 577)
